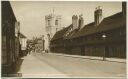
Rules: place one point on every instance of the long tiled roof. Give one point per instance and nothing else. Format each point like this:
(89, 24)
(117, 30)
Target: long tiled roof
(60, 34)
(108, 23)
(87, 29)
(112, 22)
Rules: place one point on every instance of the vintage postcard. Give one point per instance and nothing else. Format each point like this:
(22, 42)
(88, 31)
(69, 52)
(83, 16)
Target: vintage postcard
(63, 39)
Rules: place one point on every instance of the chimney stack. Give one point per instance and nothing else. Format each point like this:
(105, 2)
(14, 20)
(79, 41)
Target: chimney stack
(74, 22)
(81, 21)
(98, 15)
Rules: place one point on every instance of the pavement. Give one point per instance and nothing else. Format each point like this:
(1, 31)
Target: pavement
(52, 65)
(93, 57)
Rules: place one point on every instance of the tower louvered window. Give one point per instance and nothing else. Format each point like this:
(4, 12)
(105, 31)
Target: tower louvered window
(56, 22)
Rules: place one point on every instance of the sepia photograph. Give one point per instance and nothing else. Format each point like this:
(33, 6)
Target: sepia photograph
(63, 39)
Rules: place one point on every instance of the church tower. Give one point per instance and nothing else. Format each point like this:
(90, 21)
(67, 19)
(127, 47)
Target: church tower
(52, 25)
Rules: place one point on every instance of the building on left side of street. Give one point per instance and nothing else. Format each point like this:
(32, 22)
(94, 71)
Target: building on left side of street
(23, 43)
(17, 40)
(9, 55)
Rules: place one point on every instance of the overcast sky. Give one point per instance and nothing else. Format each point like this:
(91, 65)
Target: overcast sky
(31, 14)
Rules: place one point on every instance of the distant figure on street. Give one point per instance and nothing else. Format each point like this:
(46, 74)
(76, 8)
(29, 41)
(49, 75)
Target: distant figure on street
(29, 51)
(46, 50)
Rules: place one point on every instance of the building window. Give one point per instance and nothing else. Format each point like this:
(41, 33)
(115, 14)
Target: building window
(56, 29)
(56, 22)
(49, 22)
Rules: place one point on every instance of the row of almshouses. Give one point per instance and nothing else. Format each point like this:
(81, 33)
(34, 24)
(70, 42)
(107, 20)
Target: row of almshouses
(108, 38)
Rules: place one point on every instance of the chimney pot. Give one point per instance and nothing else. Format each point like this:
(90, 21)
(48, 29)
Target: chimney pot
(99, 7)
(98, 15)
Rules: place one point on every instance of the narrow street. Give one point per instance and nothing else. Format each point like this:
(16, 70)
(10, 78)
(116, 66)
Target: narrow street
(52, 65)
